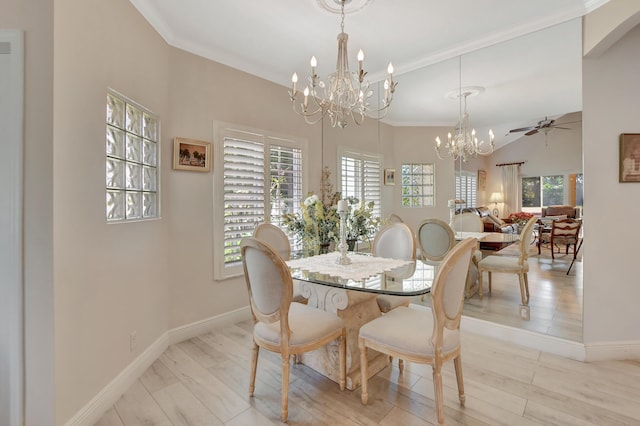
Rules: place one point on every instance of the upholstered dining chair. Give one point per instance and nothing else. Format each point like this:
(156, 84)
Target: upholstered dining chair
(435, 239)
(395, 218)
(397, 241)
(280, 325)
(423, 336)
(510, 264)
(564, 231)
(467, 222)
(279, 241)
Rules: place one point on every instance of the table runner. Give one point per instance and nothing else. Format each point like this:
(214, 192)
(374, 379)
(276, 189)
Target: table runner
(361, 267)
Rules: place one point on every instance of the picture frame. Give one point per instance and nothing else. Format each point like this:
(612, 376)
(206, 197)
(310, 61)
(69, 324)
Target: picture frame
(482, 180)
(629, 157)
(191, 154)
(389, 176)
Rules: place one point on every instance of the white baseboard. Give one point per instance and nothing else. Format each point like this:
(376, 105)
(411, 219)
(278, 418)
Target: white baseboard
(94, 409)
(185, 332)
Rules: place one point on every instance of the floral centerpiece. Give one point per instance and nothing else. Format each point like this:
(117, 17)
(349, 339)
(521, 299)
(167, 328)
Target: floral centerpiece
(361, 223)
(521, 218)
(317, 224)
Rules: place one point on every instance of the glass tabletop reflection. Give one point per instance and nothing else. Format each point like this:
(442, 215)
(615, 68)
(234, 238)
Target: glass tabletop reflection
(413, 279)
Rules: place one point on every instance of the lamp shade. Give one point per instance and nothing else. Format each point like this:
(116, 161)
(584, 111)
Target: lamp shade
(496, 197)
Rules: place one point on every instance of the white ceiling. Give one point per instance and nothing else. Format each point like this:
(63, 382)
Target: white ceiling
(525, 53)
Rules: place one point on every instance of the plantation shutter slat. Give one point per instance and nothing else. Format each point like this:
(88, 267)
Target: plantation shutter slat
(360, 178)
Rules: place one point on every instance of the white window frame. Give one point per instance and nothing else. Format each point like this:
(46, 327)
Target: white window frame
(221, 131)
(422, 196)
(364, 157)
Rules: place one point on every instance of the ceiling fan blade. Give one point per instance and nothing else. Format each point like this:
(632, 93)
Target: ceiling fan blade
(523, 129)
(531, 132)
(558, 127)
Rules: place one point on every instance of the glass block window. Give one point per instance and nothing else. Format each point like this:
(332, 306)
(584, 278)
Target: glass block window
(467, 188)
(360, 177)
(418, 184)
(131, 160)
(262, 180)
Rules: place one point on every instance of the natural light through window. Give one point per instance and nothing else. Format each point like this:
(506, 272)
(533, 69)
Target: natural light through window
(131, 160)
(360, 177)
(418, 184)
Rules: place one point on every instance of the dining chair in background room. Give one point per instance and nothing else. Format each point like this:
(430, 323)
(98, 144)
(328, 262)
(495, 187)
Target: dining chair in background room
(563, 231)
(279, 241)
(281, 325)
(394, 240)
(467, 222)
(510, 264)
(435, 239)
(421, 335)
(394, 218)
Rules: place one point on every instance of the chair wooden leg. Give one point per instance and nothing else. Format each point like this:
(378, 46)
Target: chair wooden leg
(343, 360)
(457, 362)
(524, 288)
(437, 387)
(285, 387)
(401, 365)
(364, 373)
(490, 280)
(254, 367)
(480, 284)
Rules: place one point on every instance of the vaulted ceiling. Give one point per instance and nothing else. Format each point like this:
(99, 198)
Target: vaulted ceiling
(526, 54)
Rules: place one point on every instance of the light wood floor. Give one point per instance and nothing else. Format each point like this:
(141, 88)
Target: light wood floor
(204, 381)
(555, 299)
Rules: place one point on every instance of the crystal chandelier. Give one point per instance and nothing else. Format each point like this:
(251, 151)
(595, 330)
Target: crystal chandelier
(464, 144)
(347, 93)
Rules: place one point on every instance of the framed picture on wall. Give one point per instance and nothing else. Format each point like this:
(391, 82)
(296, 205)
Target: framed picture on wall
(191, 154)
(482, 180)
(630, 157)
(389, 176)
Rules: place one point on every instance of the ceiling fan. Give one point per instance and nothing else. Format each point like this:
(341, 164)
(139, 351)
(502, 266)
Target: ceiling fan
(544, 126)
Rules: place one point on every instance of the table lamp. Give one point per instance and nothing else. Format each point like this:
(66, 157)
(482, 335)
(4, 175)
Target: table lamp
(496, 197)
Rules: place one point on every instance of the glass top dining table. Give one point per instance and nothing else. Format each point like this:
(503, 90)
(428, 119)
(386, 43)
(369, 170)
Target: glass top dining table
(412, 279)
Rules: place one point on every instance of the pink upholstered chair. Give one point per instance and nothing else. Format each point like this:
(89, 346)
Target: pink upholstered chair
(422, 336)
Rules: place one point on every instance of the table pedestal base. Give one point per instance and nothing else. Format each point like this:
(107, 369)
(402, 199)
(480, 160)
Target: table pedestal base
(355, 308)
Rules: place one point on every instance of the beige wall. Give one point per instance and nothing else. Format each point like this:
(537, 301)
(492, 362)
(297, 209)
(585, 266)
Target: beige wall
(165, 280)
(610, 107)
(202, 91)
(110, 279)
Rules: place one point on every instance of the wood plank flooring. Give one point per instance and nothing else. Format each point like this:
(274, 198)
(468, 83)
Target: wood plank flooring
(555, 298)
(204, 381)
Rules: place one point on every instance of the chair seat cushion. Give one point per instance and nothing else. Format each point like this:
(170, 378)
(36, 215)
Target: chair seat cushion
(387, 303)
(503, 264)
(307, 325)
(407, 330)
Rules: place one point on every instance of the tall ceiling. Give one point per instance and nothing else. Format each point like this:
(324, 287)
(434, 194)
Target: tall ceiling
(526, 54)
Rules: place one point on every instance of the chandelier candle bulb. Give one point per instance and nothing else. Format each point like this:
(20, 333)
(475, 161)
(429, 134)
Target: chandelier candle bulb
(294, 80)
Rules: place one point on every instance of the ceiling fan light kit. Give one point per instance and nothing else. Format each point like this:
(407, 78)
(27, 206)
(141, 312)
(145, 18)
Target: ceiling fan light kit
(347, 93)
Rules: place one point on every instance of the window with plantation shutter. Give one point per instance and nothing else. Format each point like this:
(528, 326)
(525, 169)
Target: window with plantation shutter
(262, 179)
(360, 177)
(466, 188)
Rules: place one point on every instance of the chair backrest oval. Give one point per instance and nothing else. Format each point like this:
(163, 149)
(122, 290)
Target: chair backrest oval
(447, 291)
(395, 240)
(275, 237)
(526, 237)
(467, 222)
(395, 218)
(435, 238)
(268, 280)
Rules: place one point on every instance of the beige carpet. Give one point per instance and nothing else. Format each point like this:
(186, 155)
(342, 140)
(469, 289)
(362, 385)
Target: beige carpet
(545, 252)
